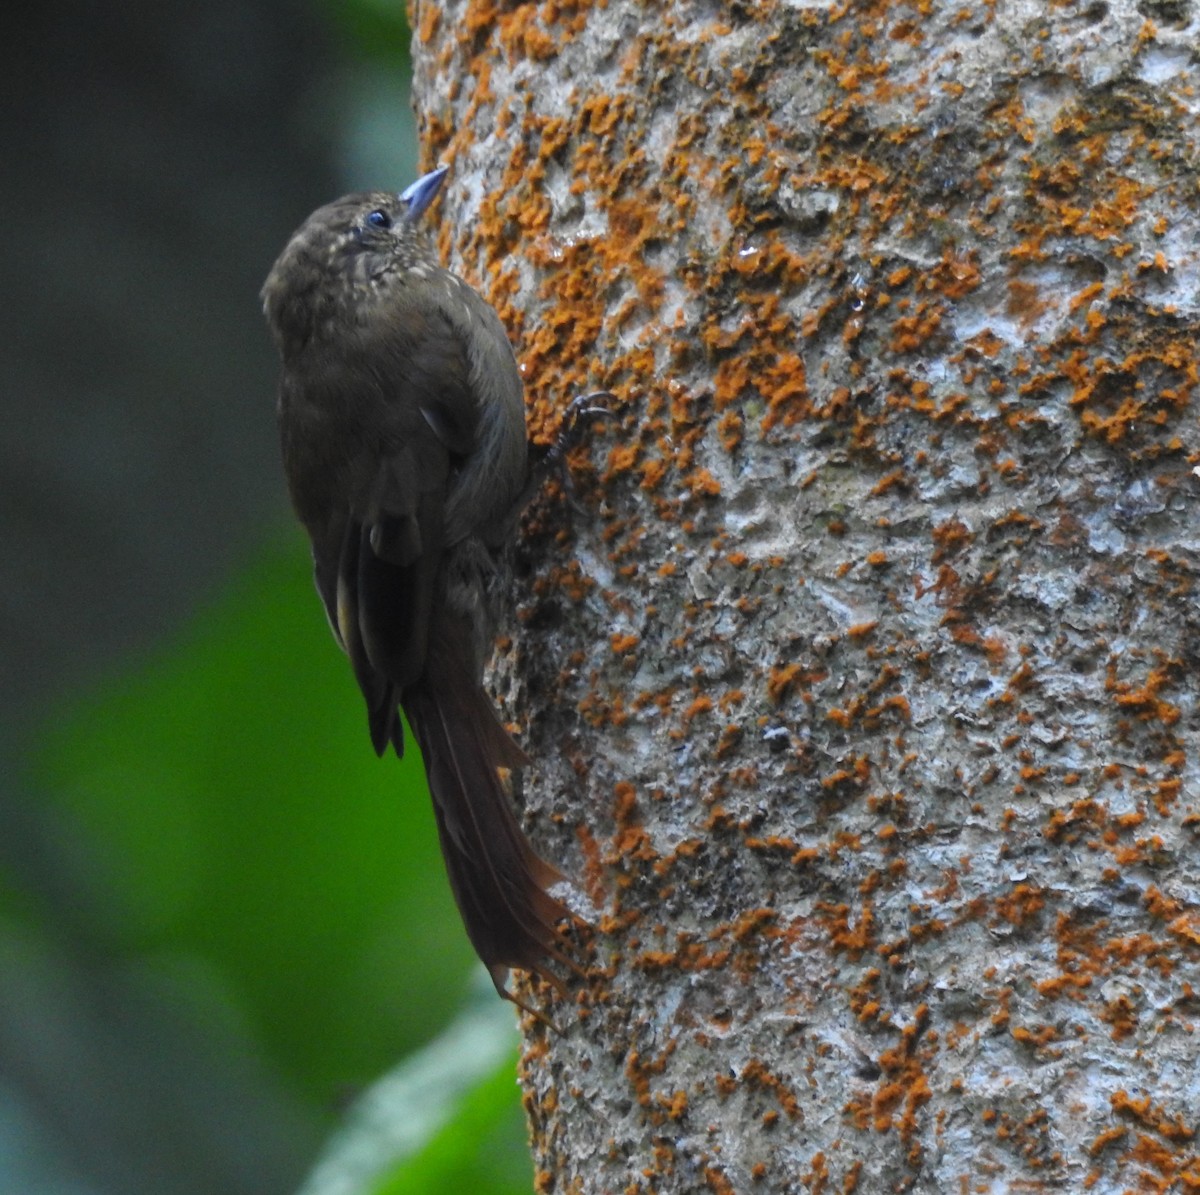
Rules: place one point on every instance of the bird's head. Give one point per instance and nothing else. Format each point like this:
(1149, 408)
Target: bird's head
(346, 257)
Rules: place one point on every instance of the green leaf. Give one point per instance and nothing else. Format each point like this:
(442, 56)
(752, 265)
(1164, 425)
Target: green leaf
(225, 805)
(446, 1120)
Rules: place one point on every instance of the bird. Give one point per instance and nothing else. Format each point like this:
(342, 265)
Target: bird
(402, 428)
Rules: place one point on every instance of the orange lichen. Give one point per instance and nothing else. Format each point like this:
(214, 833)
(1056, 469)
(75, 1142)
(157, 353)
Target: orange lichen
(903, 1089)
(622, 643)
(1036, 1036)
(1144, 699)
(844, 935)
(1151, 1116)
(780, 680)
(734, 283)
(1121, 1013)
(1021, 905)
(631, 840)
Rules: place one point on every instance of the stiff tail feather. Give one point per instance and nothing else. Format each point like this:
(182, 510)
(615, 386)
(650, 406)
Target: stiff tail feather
(499, 882)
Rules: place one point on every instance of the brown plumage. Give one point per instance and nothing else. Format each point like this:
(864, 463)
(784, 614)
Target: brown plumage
(403, 430)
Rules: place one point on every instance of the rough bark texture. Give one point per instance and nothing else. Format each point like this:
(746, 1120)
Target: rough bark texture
(863, 694)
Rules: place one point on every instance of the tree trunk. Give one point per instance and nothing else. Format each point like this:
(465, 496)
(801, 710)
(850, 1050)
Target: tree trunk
(861, 688)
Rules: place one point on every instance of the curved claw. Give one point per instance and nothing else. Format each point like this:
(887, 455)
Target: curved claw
(580, 411)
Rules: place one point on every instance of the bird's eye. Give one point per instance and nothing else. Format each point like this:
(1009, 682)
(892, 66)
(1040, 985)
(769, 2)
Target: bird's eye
(379, 219)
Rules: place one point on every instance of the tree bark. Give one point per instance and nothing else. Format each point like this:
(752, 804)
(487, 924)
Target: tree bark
(862, 687)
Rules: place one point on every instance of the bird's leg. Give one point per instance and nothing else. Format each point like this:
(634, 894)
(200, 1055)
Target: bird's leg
(580, 412)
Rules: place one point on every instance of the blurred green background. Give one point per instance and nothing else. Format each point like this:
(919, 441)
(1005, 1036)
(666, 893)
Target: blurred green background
(229, 961)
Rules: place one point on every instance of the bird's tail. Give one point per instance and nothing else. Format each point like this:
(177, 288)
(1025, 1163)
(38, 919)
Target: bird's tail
(499, 882)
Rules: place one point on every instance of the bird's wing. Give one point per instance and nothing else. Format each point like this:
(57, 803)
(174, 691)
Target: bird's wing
(375, 435)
